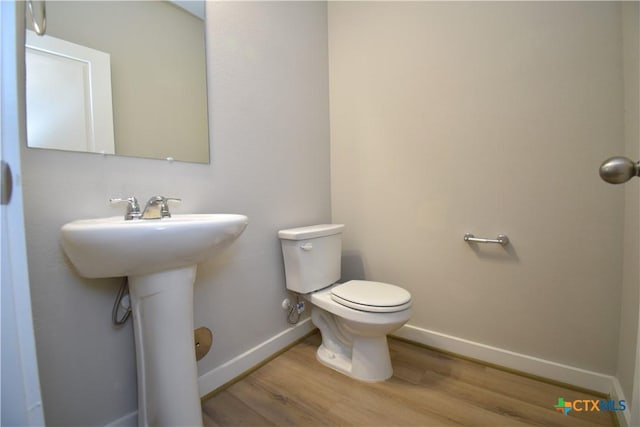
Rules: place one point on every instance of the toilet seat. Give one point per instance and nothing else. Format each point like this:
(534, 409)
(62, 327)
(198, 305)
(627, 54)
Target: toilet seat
(373, 297)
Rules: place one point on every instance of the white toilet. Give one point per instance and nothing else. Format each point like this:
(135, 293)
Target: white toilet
(355, 317)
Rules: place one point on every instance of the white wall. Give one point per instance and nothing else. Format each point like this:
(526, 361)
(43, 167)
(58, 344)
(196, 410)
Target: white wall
(268, 112)
(630, 302)
(454, 117)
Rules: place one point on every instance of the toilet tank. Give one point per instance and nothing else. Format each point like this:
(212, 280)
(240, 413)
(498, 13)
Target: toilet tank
(312, 256)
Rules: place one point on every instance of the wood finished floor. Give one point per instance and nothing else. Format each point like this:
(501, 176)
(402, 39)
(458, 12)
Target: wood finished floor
(428, 388)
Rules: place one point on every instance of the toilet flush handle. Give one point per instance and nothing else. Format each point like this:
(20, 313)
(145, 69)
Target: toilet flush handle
(306, 246)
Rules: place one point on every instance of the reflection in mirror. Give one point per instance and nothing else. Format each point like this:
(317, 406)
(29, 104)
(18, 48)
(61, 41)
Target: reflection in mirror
(119, 77)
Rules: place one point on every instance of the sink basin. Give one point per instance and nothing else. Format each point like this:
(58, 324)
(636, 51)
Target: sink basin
(110, 247)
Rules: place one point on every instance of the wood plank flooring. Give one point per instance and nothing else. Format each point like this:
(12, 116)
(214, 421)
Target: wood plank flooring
(428, 388)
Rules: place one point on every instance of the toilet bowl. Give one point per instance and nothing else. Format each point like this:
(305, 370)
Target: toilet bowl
(354, 342)
(355, 317)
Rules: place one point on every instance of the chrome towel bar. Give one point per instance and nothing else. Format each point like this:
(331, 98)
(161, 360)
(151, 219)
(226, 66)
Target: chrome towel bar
(502, 239)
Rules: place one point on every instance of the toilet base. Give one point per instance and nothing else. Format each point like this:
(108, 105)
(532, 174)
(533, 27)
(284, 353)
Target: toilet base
(363, 357)
(369, 359)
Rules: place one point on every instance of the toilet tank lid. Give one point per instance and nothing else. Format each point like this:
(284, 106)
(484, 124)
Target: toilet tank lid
(310, 232)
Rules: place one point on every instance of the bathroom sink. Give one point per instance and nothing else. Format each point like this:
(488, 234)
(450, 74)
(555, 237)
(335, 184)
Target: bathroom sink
(111, 247)
(160, 258)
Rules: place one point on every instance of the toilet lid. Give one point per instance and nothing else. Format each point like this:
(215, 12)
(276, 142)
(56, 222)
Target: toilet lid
(371, 296)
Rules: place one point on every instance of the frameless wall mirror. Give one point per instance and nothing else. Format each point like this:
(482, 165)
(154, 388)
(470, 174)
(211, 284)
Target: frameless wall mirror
(119, 77)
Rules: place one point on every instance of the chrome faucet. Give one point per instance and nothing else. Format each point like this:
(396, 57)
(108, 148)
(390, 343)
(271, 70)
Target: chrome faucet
(158, 207)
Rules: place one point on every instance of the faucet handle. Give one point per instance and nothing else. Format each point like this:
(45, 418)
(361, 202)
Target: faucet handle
(133, 207)
(164, 207)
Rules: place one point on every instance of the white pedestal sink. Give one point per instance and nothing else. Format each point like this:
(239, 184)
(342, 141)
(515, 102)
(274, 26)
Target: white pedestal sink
(159, 257)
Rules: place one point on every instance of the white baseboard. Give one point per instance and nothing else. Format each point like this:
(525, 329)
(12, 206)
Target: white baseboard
(521, 362)
(624, 417)
(250, 358)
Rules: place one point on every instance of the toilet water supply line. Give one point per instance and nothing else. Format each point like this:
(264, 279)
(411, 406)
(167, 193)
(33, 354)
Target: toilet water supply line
(294, 310)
